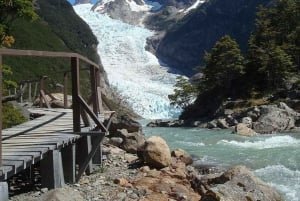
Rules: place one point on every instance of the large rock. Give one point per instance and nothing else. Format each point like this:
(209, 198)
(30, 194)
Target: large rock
(167, 184)
(156, 152)
(275, 118)
(182, 155)
(235, 184)
(243, 129)
(124, 122)
(131, 142)
(247, 121)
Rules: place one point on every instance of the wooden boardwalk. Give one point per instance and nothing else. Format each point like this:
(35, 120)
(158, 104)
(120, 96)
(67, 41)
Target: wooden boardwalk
(28, 143)
(65, 142)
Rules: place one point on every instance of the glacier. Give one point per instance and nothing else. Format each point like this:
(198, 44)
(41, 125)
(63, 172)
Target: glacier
(135, 72)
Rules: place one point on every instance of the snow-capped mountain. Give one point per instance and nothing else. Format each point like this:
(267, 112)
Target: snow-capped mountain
(135, 11)
(135, 72)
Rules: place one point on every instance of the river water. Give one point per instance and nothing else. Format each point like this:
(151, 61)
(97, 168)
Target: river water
(274, 158)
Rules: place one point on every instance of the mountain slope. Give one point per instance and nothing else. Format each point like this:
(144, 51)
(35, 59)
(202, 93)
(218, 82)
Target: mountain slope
(184, 46)
(58, 29)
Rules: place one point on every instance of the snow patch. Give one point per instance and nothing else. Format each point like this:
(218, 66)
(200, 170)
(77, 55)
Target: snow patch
(194, 6)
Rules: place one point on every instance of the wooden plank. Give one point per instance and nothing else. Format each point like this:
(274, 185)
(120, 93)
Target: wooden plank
(25, 146)
(22, 153)
(56, 144)
(28, 149)
(34, 156)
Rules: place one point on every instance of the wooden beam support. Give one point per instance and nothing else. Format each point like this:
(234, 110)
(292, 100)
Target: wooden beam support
(88, 158)
(92, 115)
(83, 149)
(1, 109)
(52, 170)
(69, 165)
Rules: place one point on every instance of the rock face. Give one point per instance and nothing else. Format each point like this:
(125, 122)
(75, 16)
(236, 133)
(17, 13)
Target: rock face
(235, 184)
(243, 129)
(275, 118)
(156, 152)
(121, 10)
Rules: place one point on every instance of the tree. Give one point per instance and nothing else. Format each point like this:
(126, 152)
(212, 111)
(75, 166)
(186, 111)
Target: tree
(184, 93)
(273, 49)
(10, 10)
(223, 65)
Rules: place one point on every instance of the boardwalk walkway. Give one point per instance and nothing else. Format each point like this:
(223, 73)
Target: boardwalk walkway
(64, 142)
(30, 142)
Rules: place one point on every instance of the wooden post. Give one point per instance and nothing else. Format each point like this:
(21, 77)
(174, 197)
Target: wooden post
(65, 90)
(29, 93)
(68, 156)
(21, 98)
(83, 146)
(52, 171)
(35, 90)
(3, 191)
(94, 89)
(42, 88)
(1, 110)
(75, 93)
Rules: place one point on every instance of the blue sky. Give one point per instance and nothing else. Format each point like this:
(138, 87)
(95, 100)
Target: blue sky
(72, 1)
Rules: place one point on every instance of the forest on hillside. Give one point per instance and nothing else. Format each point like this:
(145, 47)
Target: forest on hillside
(270, 66)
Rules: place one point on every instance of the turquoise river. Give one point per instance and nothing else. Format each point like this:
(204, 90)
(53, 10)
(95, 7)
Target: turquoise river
(274, 158)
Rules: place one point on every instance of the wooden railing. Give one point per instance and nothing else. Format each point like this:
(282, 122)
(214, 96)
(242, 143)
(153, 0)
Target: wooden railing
(81, 108)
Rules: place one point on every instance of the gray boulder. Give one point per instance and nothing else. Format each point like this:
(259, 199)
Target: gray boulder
(157, 153)
(131, 142)
(235, 184)
(275, 118)
(123, 122)
(244, 130)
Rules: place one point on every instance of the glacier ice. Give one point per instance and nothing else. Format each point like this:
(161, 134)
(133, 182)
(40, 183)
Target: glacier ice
(134, 71)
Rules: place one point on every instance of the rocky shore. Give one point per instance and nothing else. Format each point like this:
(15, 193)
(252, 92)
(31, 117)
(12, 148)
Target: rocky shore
(156, 173)
(262, 119)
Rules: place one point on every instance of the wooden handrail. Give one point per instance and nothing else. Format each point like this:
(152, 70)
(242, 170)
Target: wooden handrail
(78, 102)
(15, 52)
